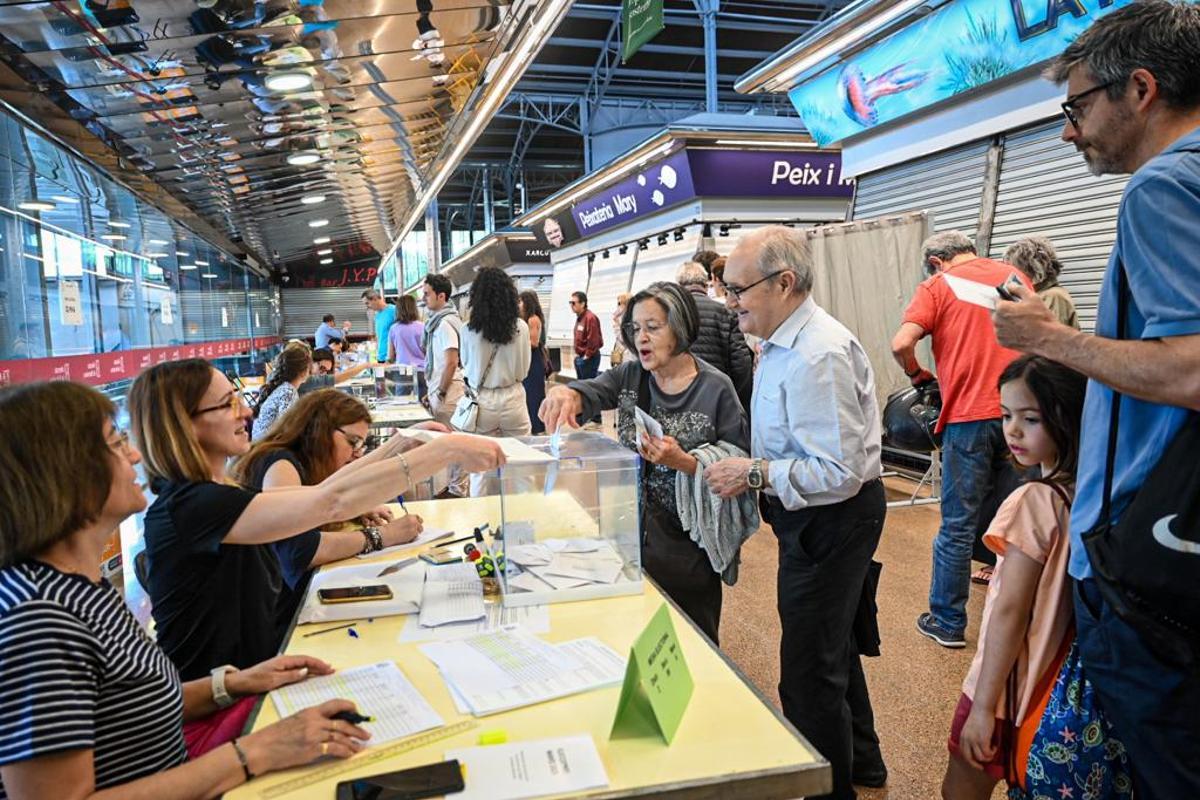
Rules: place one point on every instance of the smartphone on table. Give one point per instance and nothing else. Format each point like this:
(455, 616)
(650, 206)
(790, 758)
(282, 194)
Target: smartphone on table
(431, 780)
(354, 594)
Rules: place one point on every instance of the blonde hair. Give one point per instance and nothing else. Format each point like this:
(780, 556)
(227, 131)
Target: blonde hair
(161, 404)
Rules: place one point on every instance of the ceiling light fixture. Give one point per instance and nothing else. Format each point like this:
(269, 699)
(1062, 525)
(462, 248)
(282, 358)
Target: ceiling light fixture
(326, 260)
(288, 81)
(200, 263)
(156, 255)
(321, 240)
(65, 198)
(790, 145)
(36, 205)
(158, 241)
(325, 252)
(114, 224)
(302, 158)
(209, 275)
(312, 199)
(187, 266)
(113, 237)
(318, 223)
(181, 254)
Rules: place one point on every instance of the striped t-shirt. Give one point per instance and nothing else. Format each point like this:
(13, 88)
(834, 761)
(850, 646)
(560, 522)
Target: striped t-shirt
(78, 673)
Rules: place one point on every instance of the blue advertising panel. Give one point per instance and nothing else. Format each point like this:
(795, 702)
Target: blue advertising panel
(961, 46)
(658, 186)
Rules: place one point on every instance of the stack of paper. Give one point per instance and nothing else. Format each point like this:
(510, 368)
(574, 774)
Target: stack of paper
(378, 690)
(534, 619)
(405, 582)
(565, 766)
(444, 602)
(564, 564)
(499, 671)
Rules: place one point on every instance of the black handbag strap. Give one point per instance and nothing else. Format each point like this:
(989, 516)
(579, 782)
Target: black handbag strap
(643, 402)
(1114, 416)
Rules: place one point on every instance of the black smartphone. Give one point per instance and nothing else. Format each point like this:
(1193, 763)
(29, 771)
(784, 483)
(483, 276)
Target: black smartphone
(430, 780)
(1004, 291)
(353, 594)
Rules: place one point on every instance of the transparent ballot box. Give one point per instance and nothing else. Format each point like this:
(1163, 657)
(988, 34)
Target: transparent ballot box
(568, 525)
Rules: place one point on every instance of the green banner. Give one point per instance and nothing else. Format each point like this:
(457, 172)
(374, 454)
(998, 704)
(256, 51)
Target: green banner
(641, 20)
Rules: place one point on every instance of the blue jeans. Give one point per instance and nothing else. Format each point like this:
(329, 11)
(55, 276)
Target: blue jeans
(974, 462)
(586, 368)
(1153, 703)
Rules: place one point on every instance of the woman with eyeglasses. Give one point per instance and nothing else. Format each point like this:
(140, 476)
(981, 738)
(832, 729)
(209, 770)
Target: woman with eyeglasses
(697, 408)
(291, 368)
(213, 579)
(89, 701)
(323, 432)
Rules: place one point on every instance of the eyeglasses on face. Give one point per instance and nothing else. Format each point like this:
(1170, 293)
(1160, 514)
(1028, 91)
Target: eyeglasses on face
(357, 443)
(1070, 106)
(651, 329)
(233, 402)
(738, 291)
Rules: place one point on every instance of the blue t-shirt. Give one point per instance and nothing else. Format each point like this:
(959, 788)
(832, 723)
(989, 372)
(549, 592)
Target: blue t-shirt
(383, 323)
(326, 333)
(1158, 240)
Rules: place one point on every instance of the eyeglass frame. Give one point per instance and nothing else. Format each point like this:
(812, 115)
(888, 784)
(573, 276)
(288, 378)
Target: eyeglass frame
(234, 404)
(1070, 107)
(738, 292)
(361, 447)
(627, 329)
(123, 445)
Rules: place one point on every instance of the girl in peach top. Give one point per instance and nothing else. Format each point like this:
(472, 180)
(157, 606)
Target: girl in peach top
(1028, 623)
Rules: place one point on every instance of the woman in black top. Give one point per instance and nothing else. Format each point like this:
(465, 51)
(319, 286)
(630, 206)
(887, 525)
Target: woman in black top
(535, 381)
(89, 701)
(695, 404)
(213, 582)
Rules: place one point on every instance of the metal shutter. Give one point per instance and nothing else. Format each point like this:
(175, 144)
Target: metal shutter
(303, 309)
(948, 184)
(1046, 190)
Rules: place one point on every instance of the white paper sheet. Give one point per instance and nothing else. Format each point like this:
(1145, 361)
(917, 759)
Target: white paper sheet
(563, 765)
(554, 581)
(378, 690)
(443, 602)
(426, 536)
(534, 619)
(644, 424)
(529, 555)
(594, 568)
(406, 585)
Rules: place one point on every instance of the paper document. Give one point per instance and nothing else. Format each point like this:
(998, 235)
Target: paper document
(973, 292)
(534, 619)
(443, 602)
(529, 555)
(377, 690)
(551, 581)
(646, 424)
(592, 567)
(406, 584)
(426, 536)
(565, 765)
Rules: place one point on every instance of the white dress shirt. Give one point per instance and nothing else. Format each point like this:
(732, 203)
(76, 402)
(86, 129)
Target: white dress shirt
(815, 417)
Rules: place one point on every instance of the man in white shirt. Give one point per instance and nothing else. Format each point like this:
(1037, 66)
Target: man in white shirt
(815, 446)
(443, 374)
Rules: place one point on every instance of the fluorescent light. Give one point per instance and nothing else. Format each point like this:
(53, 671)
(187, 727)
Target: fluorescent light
(312, 199)
(33, 257)
(209, 275)
(329, 250)
(113, 237)
(303, 158)
(156, 255)
(187, 266)
(318, 223)
(158, 241)
(65, 198)
(201, 263)
(321, 240)
(288, 81)
(36, 205)
(326, 260)
(181, 254)
(113, 224)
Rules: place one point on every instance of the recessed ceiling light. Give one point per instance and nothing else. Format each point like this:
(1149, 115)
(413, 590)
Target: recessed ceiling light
(208, 275)
(303, 158)
(37, 205)
(312, 199)
(321, 240)
(113, 237)
(112, 224)
(181, 254)
(201, 263)
(288, 81)
(325, 252)
(156, 255)
(326, 260)
(318, 223)
(66, 198)
(187, 266)
(158, 241)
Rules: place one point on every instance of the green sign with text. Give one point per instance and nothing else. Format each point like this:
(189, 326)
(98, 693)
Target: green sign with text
(641, 20)
(658, 684)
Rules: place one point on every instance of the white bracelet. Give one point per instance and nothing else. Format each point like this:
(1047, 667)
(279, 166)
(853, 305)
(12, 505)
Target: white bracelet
(407, 474)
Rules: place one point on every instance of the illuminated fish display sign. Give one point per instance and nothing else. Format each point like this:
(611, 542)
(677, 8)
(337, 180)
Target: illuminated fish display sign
(962, 46)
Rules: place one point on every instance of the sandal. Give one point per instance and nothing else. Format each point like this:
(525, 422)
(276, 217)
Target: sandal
(982, 575)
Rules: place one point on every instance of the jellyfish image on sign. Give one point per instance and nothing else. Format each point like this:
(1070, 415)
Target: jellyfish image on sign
(641, 180)
(657, 198)
(860, 94)
(667, 176)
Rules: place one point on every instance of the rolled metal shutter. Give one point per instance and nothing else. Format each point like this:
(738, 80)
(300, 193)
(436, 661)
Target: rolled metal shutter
(948, 184)
(1046, 190)
(303, 309)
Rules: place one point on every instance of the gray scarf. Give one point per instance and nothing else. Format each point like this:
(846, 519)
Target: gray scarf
(431, 326)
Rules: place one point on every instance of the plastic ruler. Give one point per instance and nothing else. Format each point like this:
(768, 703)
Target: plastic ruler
(371, 756)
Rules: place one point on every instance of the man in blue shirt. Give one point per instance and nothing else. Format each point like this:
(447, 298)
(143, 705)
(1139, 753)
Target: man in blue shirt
(328, 332)
(1133, 106)
(385, 315)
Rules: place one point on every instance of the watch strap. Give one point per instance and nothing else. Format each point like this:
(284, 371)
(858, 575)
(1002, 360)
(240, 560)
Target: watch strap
(220, 694)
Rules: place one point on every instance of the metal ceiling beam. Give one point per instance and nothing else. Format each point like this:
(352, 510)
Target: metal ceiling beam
(707, 9)
(670, 49)
(663, 75)
(679, 18)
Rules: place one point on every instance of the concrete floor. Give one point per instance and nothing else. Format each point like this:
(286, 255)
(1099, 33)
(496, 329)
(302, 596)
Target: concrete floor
(914, 685)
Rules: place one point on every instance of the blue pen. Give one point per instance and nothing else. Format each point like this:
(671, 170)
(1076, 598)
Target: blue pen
(400, 500)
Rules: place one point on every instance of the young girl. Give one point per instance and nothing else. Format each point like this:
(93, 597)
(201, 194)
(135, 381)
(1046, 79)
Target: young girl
(1024, 692)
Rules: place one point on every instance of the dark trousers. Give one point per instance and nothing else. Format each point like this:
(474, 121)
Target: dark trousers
(1152, 702)
(681, 568)
(824, 555)
(587, 368)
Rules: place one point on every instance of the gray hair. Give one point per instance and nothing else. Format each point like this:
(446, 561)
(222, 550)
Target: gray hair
(783, 249)
(682, 316)
(946, 245)
(1159, 36)
(692, 273)
(1035, 256)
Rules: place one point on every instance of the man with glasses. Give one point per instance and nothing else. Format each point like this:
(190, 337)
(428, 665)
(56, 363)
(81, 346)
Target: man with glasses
(814, 445)
(720, 342)
(977, 473)
(588, 338)
(1133, 106)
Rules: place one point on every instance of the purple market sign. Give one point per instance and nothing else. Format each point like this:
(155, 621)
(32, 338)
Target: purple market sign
(759, 173)
(656, 187)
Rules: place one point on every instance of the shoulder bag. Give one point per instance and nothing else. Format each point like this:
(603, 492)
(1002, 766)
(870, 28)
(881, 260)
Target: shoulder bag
(466, 413)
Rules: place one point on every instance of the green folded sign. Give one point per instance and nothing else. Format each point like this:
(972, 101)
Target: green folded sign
(641, 20)
(658, 684)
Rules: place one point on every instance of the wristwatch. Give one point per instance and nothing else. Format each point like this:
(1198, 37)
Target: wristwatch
(220, 696)
(755, 477)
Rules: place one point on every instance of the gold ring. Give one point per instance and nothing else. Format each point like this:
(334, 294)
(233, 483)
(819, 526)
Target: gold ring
(324, 748)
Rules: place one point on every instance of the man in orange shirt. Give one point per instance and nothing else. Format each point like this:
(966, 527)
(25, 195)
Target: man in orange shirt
(974, 456)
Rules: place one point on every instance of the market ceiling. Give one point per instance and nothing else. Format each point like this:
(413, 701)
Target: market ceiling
(237, 112)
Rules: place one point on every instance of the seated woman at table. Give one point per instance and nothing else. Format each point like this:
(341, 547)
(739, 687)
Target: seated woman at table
(495, 352)
(702, 420)
(281, 390)
(323, 432)
(213, 581)
(90, 702)
(324, 373)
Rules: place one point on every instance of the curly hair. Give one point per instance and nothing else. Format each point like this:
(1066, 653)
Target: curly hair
(1036, 257)
(290, 364)
(493, 302)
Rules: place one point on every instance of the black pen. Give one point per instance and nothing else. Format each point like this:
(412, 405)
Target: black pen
(352, 717)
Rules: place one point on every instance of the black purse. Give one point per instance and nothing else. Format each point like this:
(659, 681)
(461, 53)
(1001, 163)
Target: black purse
(1147, 565)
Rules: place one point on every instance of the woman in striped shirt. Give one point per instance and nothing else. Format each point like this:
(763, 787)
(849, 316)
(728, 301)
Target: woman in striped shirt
(87, 700)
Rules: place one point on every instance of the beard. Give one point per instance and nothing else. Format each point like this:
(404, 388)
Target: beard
(1108, 154)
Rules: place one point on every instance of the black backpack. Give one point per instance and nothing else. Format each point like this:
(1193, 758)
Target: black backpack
(1147, 565)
